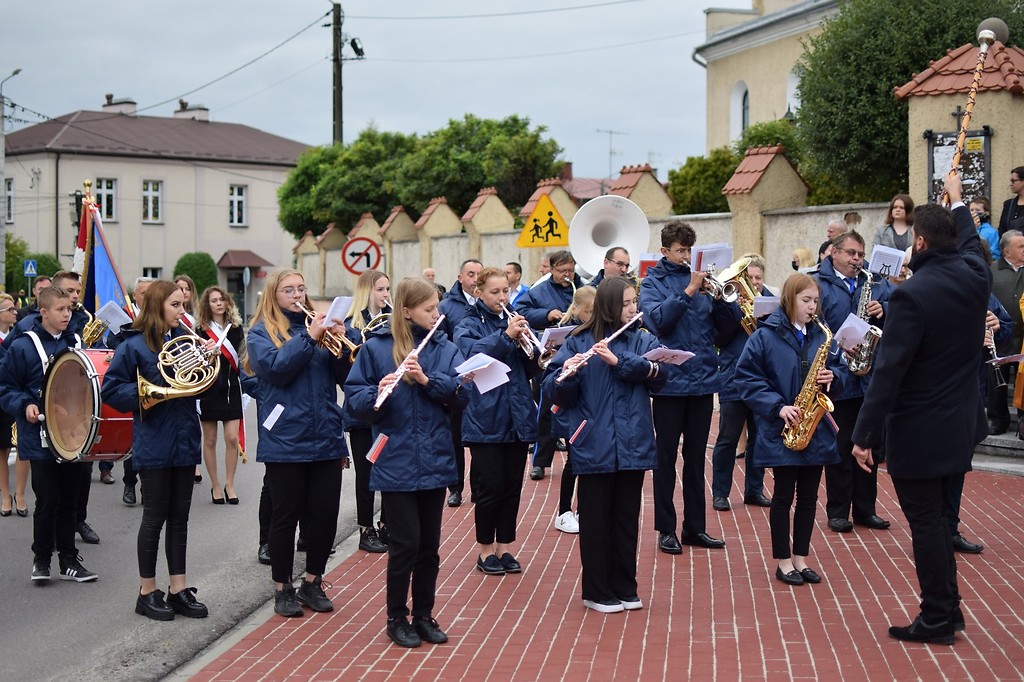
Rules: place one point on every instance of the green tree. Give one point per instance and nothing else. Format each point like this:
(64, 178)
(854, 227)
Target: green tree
(200, 267)
(295, 196)
(17, 252)
(769, 134)
(696, 187)
(46, 263)
(855, 130)
(467, 155)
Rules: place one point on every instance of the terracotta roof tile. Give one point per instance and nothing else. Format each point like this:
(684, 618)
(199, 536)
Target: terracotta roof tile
(481, 197)
(243, 258)
(362, 219)
(395, 212)
(628, 178)
(330, 228)
(431, 207)
(953, 73)
(751, 168)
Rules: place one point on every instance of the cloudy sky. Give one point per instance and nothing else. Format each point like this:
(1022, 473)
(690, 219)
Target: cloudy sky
(603, 64)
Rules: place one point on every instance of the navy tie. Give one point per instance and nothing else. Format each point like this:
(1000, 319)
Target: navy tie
(800, 338)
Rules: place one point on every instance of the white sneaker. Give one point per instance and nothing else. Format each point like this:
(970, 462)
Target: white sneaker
(632, 603)
(567, 523)
(614, 606)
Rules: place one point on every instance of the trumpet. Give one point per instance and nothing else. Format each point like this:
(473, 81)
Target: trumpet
(186, 366)
(572, 367)
(334, 343)
(94, 328)
(526, 340)
(718, 290)
(400, 372)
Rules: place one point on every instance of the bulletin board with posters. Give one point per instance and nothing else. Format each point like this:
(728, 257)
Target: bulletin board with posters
(975, 162)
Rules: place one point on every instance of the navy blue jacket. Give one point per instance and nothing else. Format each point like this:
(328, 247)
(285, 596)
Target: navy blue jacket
(507, 413)
(419, 454)
(454, 307)
(730, 339)
(75, 326)
(836, 305)
(614, 401)
(536, 303)
(355, 336)
(167, 434)
(769, 376)
(299, 381)
(685, 323)
(21, 378)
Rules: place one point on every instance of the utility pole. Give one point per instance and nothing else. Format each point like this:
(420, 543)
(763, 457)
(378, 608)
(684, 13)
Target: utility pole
(338, 18)
(611, 152)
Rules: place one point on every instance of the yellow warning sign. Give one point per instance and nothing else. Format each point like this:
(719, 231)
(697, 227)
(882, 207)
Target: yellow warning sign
(545, 227)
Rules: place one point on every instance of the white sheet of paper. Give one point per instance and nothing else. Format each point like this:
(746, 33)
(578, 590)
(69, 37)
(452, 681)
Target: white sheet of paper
(554, 337)
(851, 333)
(338, 310)
(112, 315)
(885, 261)
(718, 255)
(668, 355)
(1019, 357)
(488, 373)
(765, 305)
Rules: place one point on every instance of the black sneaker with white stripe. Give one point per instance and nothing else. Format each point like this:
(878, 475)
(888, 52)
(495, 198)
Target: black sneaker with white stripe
(71, 568)
(41, 569)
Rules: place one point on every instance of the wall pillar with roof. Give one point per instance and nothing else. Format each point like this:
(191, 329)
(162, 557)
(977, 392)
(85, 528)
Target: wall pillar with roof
(401, 245)
(443, 244)
(309, 260)
(331, 242)
(490, 227)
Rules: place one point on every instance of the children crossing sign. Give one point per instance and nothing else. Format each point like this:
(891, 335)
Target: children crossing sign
(545, 227)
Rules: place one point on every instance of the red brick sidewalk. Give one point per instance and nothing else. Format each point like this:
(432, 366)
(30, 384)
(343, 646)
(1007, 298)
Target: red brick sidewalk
(707, 614)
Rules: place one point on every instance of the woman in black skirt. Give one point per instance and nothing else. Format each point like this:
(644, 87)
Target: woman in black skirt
(9, 503)
(217, 316)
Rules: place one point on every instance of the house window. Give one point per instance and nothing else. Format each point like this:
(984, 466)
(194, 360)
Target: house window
(151, 203)
(106, 190)
(9, 200)
(739, 110)
(152, 272)
(745, 113)
(237, 206)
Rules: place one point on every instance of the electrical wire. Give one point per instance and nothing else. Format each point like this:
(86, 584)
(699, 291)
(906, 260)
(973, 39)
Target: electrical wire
(495, 15)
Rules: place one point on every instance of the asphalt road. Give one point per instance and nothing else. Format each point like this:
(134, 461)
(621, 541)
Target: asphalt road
(89, 631)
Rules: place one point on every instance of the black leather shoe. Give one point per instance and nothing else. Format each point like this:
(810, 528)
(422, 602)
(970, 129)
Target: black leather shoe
(721, 504)
(285, 603)
(537, 473)
(490, 566)
(702, 540)
(758, 500)
(792, 578)
(840, 525)
(428, 630)
(403, 634)
(369, 542)
(965, 546)
(382, 534)
(455, 499)
(669, 543)
(874, 521)
(89, 536)
(300, 544)
(995, 429)
(510, 564)
(152, 606)
(129, 495)
(810, 576)
(918, 631)
(263, 555)
(184, 603)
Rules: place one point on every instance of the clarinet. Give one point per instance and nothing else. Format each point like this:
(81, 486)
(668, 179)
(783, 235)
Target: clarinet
(401, 368)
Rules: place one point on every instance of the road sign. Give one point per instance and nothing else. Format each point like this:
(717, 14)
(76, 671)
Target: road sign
(360, 254)
(545, 227)
(30, 268)
(246, 276)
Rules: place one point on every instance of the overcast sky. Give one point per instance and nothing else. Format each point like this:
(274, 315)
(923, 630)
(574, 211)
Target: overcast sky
(624, 66)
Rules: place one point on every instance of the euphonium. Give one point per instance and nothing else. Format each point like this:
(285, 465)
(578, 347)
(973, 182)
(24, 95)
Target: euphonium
(94, 328)
(811, 401)
(187, 367)
(864, 354)
(332, 342)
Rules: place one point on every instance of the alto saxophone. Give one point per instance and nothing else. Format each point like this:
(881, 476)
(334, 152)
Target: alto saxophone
(811, 401)
(864, 354)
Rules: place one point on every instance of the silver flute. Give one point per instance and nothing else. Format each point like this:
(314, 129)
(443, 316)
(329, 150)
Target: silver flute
(572, 367)
(383, 395)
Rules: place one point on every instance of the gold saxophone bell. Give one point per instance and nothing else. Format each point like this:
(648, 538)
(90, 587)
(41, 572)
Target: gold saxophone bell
(94, 328)
(337, 345)
(187, 367)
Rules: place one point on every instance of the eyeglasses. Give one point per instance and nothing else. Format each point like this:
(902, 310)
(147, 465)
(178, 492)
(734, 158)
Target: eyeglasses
(563, 271)
(680, 251)
(290, 291)
(619, 263)
(853, 253)
(6, 310)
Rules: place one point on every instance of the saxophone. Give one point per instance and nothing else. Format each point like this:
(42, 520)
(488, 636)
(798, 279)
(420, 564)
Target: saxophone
(811, 401)
(864, 354)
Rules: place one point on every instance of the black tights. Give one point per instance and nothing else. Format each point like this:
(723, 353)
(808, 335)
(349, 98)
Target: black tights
(166, 499)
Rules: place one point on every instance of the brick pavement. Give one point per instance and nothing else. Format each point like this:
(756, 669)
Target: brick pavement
(707, 614)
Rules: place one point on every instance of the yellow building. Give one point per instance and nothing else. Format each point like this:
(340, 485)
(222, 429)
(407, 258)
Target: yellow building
(750, 57)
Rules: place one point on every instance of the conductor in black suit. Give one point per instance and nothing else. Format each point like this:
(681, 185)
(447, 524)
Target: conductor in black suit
(925, 391)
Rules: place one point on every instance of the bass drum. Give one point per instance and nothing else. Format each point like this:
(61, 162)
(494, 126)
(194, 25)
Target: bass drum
(79, 427)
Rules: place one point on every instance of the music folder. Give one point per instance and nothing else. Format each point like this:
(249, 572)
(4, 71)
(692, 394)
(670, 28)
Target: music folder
(851, 333)
(338, 310)
(554, 337)
(488, 373)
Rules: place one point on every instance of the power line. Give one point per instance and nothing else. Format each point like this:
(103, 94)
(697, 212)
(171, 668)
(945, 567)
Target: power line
(490, 16)
(273, 85)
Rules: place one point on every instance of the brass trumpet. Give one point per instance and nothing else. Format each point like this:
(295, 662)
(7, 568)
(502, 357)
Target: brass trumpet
(331, 341)
(527, 340)
(186, 366)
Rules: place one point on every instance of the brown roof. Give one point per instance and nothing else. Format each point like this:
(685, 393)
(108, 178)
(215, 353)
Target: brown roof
(751, 168)
(330, 228)
(628, 178)
(1004, 69)
(109, 134)
(434, 203)
(395, 212)
(242, 258)
(359, 223)
(584, 189)
(543, 187)
(481, 197)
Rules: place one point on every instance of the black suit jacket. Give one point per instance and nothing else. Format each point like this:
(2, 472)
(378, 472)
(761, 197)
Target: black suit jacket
(925, 384)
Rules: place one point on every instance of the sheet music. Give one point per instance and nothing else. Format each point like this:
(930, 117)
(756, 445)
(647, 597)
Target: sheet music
(669, 356)
(338, 310)
(885, 261)
(765, 305)
(717, 255)
(488, 373)
(113, 316)
(851, 333)
(554, 337)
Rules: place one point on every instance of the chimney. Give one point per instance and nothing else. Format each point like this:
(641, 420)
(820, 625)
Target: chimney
(196, 112)
(123, 105)
(566, 173)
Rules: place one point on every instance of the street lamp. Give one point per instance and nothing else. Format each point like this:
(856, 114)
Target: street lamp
(3, 184)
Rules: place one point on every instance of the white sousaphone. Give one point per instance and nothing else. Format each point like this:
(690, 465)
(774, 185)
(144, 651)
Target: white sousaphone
(602, 223)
